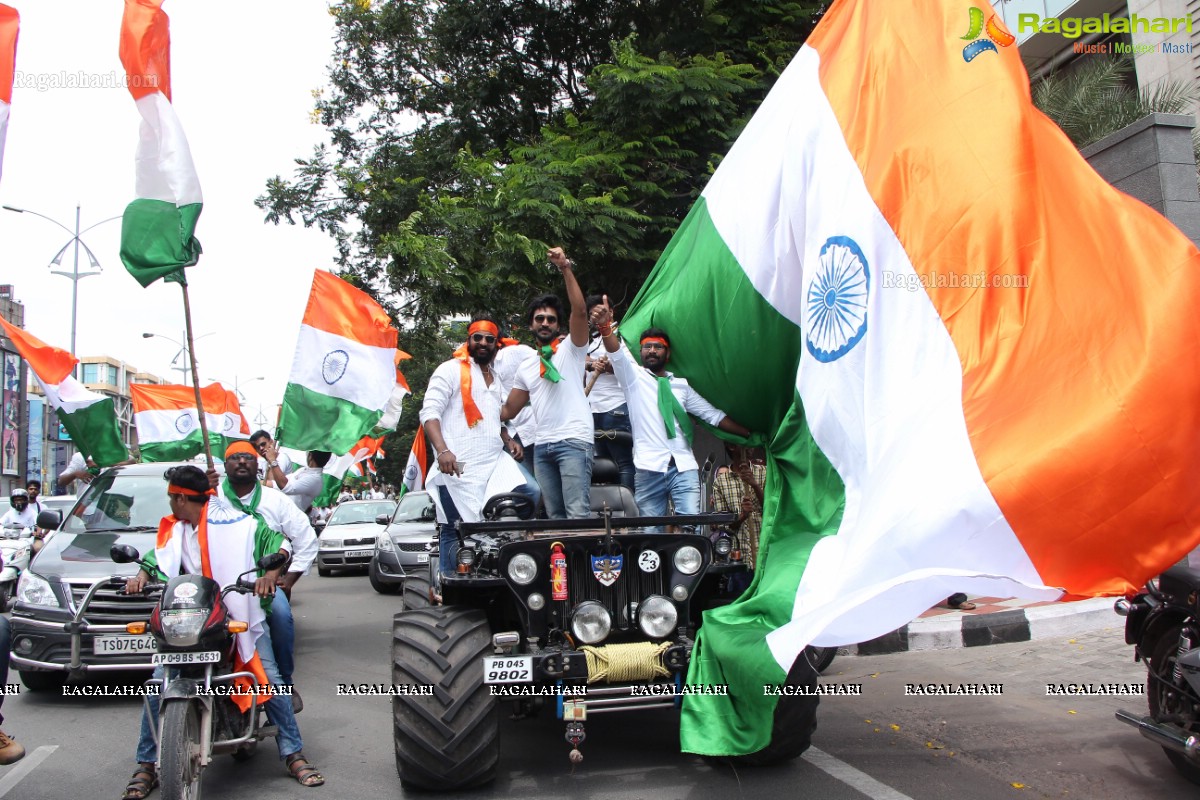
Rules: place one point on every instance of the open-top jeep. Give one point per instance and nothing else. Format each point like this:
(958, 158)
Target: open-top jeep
(562, 617)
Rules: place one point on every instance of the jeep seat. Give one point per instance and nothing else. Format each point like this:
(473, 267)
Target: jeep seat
(606, 490)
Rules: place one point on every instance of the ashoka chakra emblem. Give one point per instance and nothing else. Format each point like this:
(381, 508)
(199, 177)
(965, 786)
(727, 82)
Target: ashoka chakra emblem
(184, 423)
(334, 366)
(837, 300)
(227, 425)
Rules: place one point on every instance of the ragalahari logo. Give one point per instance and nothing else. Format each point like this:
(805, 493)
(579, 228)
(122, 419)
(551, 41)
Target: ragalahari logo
(996, 35)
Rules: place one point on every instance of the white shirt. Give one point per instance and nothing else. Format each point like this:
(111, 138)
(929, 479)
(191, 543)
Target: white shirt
(77, 463)
(652, 450)
(281, 514)
(505, 365)
(303, 486)
(285, 464)
(606, 393)
(22, 519)
(561, 409)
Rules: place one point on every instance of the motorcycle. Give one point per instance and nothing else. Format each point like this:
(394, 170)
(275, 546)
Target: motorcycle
(195, 642)
(1163, 625)
(15, 548)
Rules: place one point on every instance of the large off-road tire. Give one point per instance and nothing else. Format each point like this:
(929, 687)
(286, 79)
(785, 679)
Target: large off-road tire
(378, 585)
(448, 740)
(794, 722)
(416, 591)
(1166, 700)
(43, 681)
(179, 754)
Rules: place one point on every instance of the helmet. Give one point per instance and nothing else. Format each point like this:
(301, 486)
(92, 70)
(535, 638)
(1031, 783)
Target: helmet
(19, 493)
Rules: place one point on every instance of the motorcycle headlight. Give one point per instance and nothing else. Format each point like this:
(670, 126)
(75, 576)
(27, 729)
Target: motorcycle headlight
(385, 543)
(688, 560)
(181, 628)
(657, 616)
(331, 543)
(36, 590)
(522, 569)
(591, 622)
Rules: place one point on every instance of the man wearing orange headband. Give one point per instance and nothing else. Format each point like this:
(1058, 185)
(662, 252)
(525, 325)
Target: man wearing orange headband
(659, 405)
(473, 453)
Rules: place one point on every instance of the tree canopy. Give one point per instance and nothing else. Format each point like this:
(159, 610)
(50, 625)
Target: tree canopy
(468, 136)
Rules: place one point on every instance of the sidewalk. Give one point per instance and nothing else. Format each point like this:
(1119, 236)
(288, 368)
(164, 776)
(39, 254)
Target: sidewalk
(995, 621)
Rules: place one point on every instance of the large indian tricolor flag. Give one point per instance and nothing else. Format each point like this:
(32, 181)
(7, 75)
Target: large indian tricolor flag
(158, 228)
(418, 464)
(977, 365)
(168, 424)
(344, 371)
(89, 417)
(9, 22)
(334, 473)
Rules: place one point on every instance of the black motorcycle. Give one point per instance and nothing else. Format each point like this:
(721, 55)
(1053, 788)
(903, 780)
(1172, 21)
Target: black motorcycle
(195, 637)
(1163, 625)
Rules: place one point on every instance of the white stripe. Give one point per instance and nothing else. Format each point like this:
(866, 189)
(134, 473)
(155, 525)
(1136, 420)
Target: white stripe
(919, 521)
(164, 169)
(391, 413)
(854, 778)
(176, 424)
(24, 767)
(343, 368)
(70, 395)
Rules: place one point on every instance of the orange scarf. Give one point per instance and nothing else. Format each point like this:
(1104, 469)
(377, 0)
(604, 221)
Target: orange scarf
(472, 412)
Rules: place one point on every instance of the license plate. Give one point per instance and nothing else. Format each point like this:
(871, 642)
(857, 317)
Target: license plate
(422, 558)
(119, 645)
(508, 669)
(207, 657)
(359, 553)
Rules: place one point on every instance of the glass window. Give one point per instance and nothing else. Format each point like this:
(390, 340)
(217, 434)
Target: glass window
(112, 375)
(415, 507)
(119, 501)
(349, 513)
(91, 373)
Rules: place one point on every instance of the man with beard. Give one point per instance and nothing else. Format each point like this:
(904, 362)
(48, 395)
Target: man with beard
(473, 453)
(552, 381)
(241, 490)
(659, 404)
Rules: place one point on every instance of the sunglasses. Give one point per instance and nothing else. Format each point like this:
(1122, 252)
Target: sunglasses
(483, 338)
(545, 318)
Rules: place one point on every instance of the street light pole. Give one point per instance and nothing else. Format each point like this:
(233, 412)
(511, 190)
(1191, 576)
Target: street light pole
(183, 350)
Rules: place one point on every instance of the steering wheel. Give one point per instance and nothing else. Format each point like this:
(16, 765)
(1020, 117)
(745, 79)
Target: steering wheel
(509, 504)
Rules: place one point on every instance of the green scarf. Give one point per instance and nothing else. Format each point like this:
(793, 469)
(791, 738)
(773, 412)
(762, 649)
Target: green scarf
(264, 537)
(549, 371)
(672, 412)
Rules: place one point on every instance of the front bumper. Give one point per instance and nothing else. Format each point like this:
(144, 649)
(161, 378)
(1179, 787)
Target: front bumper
(341, 558)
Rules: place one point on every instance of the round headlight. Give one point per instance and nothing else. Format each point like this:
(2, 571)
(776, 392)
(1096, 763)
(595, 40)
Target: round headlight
(522, 569)
(688, 560)
(536, 602)
(466, 556)
(657, 616)
(723, 545)
(590, 622)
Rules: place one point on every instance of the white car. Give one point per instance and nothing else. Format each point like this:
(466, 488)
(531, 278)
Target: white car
(348, 536)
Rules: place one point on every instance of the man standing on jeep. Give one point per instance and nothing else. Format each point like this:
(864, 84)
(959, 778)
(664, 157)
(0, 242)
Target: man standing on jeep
(473, 453)
(551, 379)
(659, 405)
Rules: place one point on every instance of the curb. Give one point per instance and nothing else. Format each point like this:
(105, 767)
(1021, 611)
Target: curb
(1001, 627)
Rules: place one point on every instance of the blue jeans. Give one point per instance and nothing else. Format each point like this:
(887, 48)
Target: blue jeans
(620, 452)
(527, 459)
(448, 530)
(279, 712)
(653, 489)
(5, 654)
(566, 470)
(283, 635)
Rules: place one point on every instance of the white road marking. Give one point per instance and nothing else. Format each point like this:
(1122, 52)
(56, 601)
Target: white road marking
(25, 766)
(854, 778)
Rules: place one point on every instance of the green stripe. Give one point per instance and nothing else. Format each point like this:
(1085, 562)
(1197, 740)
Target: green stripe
(185, 448)
(158, 240)
(96, 432)
(742, 355)
(331, 487)
(314, 421)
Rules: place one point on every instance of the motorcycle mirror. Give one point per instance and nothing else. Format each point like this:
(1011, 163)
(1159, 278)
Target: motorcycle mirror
(49, 520)
(123, 553)
(272, 561)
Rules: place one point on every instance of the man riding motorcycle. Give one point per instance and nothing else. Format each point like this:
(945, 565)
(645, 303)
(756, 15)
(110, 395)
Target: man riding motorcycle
(22, 514)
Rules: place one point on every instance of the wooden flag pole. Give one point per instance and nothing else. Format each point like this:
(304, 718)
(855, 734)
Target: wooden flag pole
(187, 318)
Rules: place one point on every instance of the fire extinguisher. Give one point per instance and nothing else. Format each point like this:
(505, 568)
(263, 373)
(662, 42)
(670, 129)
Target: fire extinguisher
(558, 571)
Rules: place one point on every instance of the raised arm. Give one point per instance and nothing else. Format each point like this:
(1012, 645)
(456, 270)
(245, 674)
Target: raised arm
(579, 320)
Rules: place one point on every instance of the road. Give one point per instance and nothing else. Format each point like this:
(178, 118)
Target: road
(882, 745)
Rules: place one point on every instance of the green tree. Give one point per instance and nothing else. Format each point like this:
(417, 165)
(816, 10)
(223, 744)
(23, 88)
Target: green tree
(467, 136)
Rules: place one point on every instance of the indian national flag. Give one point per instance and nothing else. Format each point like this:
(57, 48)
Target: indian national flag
(977, 365)
(9, 21)
(168, 425)
(157, 230)
(344, 371)
(89, 417)
(418, 465)
(395, 403)
(334, 473)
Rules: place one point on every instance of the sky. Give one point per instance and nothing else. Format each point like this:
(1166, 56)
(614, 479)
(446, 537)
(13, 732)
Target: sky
(243, 76)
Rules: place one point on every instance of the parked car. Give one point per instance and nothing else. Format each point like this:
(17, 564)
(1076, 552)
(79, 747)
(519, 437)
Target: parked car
(403, 554)
(69, 617)
(348, 537)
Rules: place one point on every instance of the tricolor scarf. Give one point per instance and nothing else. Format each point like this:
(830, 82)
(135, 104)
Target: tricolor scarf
(549, 371)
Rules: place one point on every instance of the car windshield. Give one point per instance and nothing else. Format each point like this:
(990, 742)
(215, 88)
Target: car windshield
(58, 502)
(348, 513)
(120, 501)
(414, 507)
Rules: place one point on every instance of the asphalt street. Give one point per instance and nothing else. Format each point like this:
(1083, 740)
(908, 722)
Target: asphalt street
(883, 744)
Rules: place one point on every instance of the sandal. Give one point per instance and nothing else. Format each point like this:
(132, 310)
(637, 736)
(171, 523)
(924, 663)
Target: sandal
(143, 782)
(958, 602)
(304, 773)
